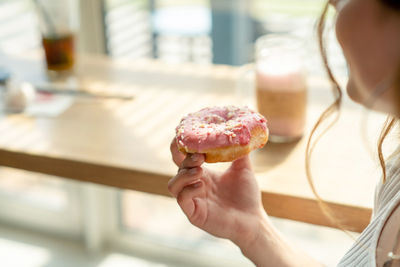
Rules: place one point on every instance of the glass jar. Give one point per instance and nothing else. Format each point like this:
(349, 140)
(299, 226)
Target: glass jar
(281, 87)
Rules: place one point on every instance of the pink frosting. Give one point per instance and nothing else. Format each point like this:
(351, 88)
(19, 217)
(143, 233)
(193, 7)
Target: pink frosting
(218, 127)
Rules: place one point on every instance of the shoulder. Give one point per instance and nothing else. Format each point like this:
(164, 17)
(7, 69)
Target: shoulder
(388, 236)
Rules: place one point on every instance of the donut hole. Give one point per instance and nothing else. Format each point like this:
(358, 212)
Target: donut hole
(222, 116)
(214, 118)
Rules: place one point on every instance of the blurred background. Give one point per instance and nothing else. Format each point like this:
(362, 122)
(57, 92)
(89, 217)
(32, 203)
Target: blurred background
(204, 32)
(49, 221)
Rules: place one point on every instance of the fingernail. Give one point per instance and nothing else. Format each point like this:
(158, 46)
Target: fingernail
(193, 171)
(194, 157)
(196, 185)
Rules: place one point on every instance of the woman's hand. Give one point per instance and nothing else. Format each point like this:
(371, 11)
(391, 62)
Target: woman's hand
(224, 204)
(228, 205)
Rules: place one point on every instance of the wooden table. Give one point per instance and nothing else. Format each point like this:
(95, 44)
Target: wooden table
(125, 144)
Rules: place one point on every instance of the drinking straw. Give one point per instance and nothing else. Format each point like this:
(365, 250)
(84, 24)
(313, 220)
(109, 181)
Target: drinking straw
(47, 18)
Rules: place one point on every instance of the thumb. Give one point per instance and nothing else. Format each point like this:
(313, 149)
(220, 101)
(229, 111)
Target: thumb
(241, 164)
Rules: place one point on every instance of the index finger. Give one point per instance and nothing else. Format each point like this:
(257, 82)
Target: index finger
(177, 156)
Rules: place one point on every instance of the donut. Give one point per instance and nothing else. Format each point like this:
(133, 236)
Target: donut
(222, 133)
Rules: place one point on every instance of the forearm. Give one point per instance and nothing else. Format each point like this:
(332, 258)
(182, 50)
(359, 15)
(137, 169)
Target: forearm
(270, 249)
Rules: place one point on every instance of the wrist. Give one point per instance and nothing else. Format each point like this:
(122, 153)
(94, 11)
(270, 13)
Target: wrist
(267, 247)
(252, 232)
(260, 243)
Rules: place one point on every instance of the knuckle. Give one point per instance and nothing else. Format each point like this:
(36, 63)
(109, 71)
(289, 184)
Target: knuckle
(170, 185)
(183, 194)
(180, 198)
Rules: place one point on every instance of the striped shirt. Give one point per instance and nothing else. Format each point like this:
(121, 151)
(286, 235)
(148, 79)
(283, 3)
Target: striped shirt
(387, 196)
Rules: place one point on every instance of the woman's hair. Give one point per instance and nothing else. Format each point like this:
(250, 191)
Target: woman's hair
(333, 111)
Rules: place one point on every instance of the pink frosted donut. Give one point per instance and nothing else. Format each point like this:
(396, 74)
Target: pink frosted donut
(222, 133)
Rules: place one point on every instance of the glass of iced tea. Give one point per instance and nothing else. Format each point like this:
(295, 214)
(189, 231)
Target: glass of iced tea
(58, 24)
(59, 51)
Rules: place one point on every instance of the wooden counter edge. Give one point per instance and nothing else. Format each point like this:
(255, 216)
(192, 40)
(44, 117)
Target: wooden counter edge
(351, 218)
(301, 209)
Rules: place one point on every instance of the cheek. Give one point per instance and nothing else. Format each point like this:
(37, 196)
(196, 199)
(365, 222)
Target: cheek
(345, 29)
(350, 35)
(369, 42)
(345, 39)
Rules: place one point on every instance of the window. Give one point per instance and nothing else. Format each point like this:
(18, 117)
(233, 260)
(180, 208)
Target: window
(18, 31)
(173, 31)
(299, 18)
(128, 28)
